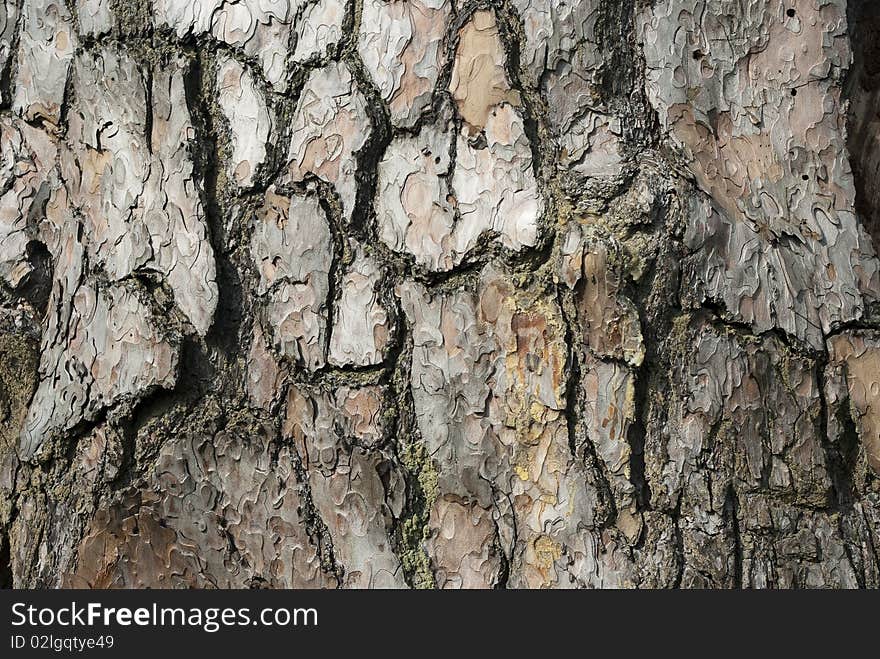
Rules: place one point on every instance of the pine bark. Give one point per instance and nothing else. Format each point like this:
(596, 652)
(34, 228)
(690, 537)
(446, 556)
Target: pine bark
(439, 293)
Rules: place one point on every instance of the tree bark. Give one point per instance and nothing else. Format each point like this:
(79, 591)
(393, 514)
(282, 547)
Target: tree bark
(439, 293)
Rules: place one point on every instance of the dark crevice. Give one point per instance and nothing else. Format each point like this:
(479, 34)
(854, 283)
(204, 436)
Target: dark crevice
(580, 444)
(504, 568)
(228, 315)
(410, 452)
(5, 563)
(372, 152)
(637, 436)
(731, 514)
(315, 527)
(148, 116)
(336, 268)
(720, 318)
(36, 287)
(6, 73)
(863, 119)
(679, 545)
(853, 555)
(843, 459)
(621, 76)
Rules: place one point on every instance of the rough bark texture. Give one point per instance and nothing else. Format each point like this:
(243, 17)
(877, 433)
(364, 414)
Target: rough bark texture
(439, 293)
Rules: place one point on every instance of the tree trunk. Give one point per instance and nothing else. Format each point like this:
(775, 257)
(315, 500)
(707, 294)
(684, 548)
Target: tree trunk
(439, 293)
